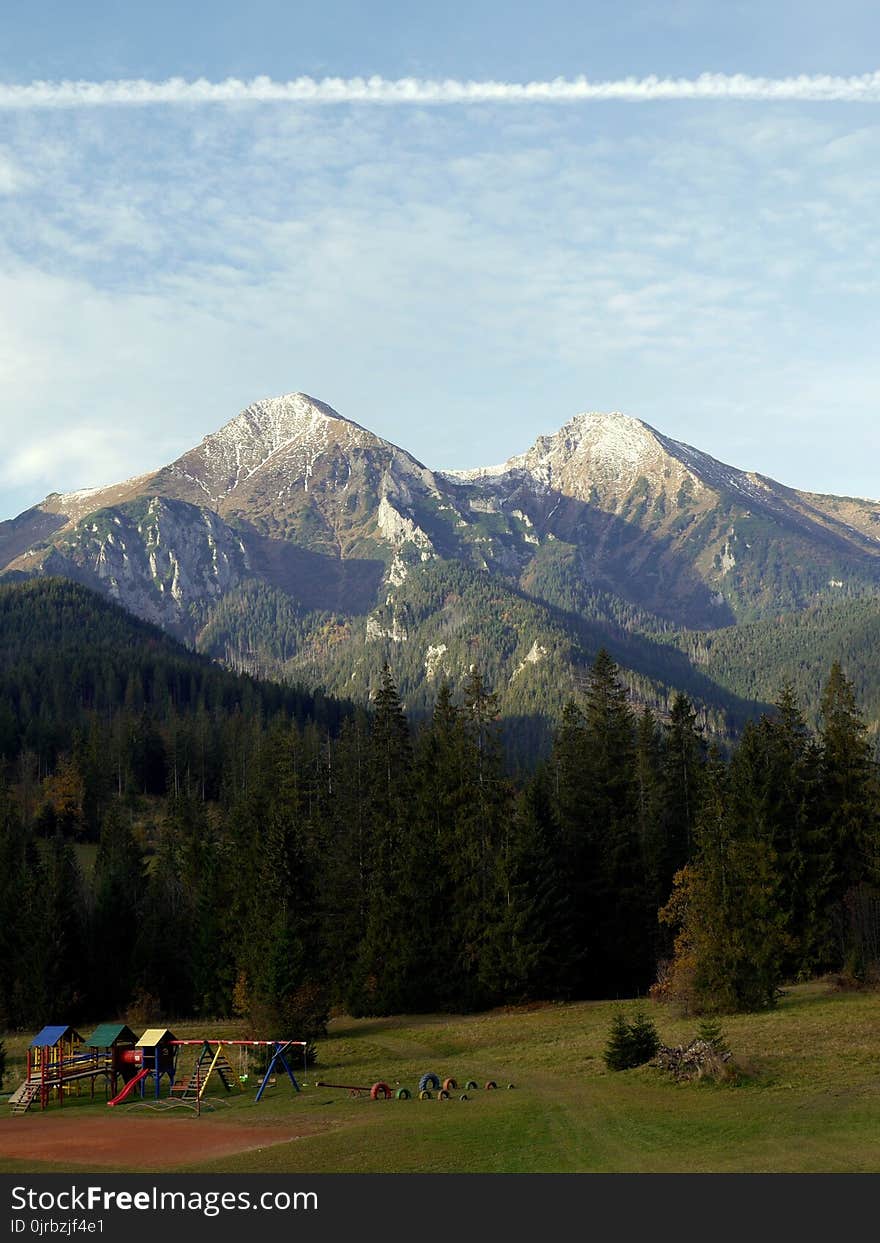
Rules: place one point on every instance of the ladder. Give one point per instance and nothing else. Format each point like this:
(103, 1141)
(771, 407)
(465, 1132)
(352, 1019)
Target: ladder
(207, 1062)
(23, 1097)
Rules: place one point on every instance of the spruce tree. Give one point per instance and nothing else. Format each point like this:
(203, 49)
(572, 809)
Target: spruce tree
(731, 930)
(384, 959)
(617, 935)
(525, 955)
(684, 755)
(483, 838)
(118, 885)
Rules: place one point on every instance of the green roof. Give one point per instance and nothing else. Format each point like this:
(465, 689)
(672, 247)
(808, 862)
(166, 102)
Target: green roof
(106, 1034)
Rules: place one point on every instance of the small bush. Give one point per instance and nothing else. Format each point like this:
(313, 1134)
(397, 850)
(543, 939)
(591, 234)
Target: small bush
(631, 1044)
(710, 1032)
(2, 1062)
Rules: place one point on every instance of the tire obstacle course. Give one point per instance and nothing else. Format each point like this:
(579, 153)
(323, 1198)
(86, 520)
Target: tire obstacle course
(430, 1088)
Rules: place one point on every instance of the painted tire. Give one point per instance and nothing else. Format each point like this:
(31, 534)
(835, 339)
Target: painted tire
(510, 1086)
(449, 1085)
(403, 1094)
(424, 1095)
(491, 1084)
(464, 1097)
(442, 1095)
(429, 1080)
(470, 1085)
(380, 1091)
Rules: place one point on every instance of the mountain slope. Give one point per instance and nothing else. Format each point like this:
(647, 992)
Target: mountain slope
(296, 541)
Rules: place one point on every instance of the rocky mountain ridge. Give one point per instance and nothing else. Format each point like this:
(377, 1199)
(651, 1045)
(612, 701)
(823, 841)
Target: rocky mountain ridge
(606, 521)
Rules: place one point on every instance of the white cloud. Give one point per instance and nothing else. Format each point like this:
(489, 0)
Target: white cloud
(456, 279)
(13, 178)
(864, 88)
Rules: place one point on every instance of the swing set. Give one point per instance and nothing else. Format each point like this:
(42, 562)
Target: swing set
(213, 1058)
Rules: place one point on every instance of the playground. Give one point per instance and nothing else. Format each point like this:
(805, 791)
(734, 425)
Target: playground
(59, 1062)
(807, 1098)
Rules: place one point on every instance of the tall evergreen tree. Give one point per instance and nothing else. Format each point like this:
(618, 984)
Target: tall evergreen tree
(384, 962)
(684, 754)
(615, 922)
(731, 930)
(118, 884)
(851, 799)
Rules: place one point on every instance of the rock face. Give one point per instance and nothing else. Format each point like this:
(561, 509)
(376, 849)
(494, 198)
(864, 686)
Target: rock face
(606, 518)
(165, 560)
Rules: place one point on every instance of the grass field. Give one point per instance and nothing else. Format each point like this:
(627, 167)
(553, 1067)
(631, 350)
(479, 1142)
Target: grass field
(807, 1099)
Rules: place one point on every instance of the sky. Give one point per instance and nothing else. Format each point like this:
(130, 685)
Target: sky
(458, 269)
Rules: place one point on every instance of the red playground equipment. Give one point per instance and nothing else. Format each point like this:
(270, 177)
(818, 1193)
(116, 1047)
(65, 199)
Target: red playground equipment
(154, 1054)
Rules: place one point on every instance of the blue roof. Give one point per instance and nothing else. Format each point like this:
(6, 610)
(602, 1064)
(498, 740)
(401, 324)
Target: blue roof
(51, 1035)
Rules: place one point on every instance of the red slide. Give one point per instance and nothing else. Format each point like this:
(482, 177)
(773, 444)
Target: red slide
(120, 1096)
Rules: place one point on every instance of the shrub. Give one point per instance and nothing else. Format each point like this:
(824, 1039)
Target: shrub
(631, 1044)
(2, 1062)
(710, 1032)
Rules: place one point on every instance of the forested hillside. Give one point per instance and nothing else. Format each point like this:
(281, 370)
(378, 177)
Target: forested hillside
(754, 659)
(264, 853)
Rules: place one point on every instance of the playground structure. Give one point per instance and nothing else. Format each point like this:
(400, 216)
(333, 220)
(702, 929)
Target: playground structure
(61, 1062)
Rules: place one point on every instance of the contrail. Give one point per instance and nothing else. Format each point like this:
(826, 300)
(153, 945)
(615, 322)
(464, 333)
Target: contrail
(375, 90)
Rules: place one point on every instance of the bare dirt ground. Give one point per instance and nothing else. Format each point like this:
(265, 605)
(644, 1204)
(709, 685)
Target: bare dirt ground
(136, 1142)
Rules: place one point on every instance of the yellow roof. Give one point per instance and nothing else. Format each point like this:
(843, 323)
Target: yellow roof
(154, 1036)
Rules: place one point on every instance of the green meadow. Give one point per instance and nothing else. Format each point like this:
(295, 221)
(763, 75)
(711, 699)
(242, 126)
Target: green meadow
(806, 1096)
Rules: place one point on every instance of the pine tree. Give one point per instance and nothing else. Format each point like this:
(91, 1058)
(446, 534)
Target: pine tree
(526, 955)
(731, 931)
(851, 805)
(383, 962)
(118, 885)
(644, 1040)
(62, 937)
(684, 755)
(616, 931)
(632, 1043)
(650, 823)
(618, 1050)
(483, 839)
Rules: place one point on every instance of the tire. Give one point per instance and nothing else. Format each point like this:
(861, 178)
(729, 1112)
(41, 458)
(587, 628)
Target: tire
(442, 1095)
(429, 1081)
(449, 1085)
(424, 1095)
(471, 1085)
(464, 1097)
(490, 1085)
(380, 1091)
(510, 1086)
(403, 1094)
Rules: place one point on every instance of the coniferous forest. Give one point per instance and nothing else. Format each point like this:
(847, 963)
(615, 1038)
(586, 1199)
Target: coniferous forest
(183, 840)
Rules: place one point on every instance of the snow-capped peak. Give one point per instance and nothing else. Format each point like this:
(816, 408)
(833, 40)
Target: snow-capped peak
(276, 421)
(611, 447)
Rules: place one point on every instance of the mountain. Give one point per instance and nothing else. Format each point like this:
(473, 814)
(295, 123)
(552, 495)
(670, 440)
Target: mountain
(297, 543)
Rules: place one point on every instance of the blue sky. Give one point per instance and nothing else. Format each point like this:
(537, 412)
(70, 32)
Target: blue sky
(460, 278)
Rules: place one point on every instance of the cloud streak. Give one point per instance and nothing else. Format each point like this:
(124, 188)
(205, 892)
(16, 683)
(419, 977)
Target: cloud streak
(864, 88)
